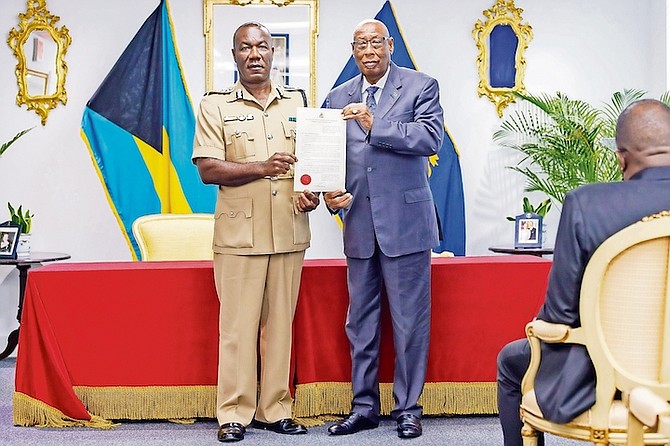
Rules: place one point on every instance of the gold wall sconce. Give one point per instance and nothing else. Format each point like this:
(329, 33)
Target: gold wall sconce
(501, 40)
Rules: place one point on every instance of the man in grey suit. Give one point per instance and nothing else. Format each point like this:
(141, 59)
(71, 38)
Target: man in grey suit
(565, 385)
(394, 125)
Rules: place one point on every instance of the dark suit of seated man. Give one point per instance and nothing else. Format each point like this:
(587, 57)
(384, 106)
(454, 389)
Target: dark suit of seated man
(565, 385)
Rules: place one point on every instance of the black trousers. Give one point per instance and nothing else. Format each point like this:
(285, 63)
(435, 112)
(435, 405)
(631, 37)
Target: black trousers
(513, 361)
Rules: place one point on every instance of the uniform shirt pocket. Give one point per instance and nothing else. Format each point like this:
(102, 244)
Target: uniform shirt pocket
(289, 136)
(239, 141)
(233, 223)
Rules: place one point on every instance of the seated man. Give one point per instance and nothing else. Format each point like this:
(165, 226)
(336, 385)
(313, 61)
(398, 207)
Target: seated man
(565, 385)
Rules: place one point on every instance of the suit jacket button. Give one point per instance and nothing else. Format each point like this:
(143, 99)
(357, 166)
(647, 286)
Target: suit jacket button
(274, 193)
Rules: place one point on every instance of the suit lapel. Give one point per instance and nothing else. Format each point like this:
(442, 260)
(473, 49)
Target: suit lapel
(390, 93)
(356, 95)
(354, 92)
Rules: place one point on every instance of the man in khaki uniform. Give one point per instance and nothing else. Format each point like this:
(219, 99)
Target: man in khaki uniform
(245, 143)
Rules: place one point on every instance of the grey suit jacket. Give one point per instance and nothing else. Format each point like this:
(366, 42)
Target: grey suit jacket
(565, 385)
(387, 169)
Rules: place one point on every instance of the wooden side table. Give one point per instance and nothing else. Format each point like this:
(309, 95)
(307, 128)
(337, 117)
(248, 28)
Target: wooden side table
(23, 264)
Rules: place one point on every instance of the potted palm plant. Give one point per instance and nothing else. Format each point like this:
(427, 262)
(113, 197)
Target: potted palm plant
(564, 141)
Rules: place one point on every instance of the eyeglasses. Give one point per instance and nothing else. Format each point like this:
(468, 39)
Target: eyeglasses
(376, 43)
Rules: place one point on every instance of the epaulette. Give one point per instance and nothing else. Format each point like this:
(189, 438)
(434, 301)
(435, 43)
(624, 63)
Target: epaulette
(225, 91)
(302, 92)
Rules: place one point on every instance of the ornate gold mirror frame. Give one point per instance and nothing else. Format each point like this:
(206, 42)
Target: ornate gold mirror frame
(506, 48)
(294, 25)
(40, 50)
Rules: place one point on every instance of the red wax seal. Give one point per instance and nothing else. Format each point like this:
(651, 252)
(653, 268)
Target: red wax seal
(305, 179)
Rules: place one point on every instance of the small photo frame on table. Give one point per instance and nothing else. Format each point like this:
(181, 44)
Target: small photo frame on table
(528, 231)
(9, 240)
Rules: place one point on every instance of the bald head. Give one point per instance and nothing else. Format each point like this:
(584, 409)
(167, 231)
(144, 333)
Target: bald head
(379, 25)
(643, 136)
(249, 25)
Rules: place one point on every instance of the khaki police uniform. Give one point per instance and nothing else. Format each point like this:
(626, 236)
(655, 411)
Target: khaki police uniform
(259, 244)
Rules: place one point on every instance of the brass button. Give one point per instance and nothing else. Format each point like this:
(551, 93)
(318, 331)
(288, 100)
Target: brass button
(231, 213)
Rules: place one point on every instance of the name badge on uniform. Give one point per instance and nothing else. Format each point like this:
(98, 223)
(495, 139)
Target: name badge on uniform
(242, 117)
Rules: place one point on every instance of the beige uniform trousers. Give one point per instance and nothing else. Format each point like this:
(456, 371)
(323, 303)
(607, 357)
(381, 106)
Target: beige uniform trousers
(258, 295)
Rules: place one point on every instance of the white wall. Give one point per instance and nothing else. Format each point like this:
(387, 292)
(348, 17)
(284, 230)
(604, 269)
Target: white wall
(585, 49)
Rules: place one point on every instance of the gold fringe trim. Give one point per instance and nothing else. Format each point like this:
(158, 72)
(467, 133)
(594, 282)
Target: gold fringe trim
(173, 403)
(316, 399)
(322, 398)
(315, 403)
(29, 411)
(182, 420)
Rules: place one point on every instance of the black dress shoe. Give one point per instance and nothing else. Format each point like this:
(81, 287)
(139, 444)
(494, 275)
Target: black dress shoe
(231, 432)
(353, 423)
(283, 426)
(409, 426)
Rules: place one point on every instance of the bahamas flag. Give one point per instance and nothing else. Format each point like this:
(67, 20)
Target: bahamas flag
(139, 128)
(446, 181)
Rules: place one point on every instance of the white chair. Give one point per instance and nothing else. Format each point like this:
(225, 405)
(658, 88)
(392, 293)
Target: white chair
(648, 412)
(175, 236)
(625, 317)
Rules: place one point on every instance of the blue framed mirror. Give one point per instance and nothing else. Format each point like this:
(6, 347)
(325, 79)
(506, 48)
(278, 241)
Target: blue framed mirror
(501, 40)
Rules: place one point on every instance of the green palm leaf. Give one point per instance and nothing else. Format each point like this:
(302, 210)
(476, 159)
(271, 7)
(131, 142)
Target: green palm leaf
(561, 141)
(6, 145)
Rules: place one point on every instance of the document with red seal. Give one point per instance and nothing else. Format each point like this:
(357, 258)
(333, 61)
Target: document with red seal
(321, 149)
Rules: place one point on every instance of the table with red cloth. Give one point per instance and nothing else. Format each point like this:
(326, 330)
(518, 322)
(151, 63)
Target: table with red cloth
(139, 340)
(478, 305)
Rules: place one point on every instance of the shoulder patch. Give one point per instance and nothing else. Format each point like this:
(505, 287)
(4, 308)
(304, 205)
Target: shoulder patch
(225, 91)
(291, 89)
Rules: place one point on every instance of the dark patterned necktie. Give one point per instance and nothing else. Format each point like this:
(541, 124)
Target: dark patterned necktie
(370, 101)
